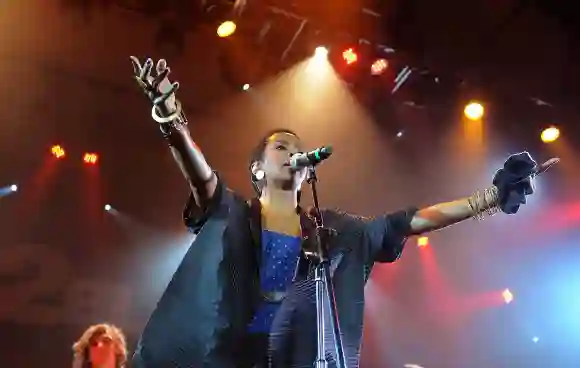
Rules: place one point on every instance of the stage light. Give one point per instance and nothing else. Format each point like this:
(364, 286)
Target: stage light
(246, 87)
(90, 158)
(550, 134)
(14, 188)
(226, 29)
(379, 66)
(349, 56)
(507, 295)
(535, 339)
(422, 241)
(474, 111)
(57, 151)
(400, 134)
(108, 207)
(320, 52)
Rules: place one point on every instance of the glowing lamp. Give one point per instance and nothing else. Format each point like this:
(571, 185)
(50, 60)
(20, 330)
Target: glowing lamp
(349, 56)
(226, 29)
(474, 111)
(550, 134)
(90, 158)
(57, 151)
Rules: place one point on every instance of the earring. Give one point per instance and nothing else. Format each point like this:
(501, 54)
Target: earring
(259, 174)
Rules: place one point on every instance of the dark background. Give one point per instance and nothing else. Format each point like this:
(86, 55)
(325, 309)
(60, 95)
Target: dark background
(65, 263)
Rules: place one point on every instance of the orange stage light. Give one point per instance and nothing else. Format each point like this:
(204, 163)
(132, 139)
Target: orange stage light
(422, 241)
(90, 158)
(349, 56)
(57, 151)
(550, 134)
(226, 29)
(474, 111)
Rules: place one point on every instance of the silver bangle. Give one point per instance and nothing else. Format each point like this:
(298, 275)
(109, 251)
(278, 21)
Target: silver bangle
(163, 120)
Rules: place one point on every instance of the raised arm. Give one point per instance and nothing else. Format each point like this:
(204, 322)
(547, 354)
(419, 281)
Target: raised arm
(167, 112)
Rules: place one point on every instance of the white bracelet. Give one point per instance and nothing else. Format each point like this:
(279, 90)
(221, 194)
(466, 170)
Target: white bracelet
(170, 118)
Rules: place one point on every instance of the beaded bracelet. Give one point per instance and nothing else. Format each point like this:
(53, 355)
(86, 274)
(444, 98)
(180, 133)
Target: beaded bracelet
(489, 198)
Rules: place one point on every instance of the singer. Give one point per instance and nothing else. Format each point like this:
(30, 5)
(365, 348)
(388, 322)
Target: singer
(236, 287)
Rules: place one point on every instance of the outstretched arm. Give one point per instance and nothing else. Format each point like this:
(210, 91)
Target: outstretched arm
(173, 125)
(511, 184)
(385, 235)
(445, 214)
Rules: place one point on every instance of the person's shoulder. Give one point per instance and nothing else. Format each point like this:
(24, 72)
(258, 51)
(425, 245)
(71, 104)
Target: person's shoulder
(224, 204)
(341, 218)
(225, 193)
(339, 213)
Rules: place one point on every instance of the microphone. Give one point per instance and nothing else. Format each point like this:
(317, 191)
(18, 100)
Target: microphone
(300, 160)
(540, 169)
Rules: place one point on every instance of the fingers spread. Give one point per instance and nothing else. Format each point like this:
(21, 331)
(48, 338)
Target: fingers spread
(136, 65)
(160, 77)
(146, 71)
(161, 66)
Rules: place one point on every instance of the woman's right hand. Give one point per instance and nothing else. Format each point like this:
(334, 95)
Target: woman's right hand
(156, 84)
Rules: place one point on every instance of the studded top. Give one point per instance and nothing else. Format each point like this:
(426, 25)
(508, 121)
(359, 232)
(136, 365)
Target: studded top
(280, 252)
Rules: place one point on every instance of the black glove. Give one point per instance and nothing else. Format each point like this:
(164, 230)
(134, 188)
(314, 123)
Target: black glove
(514, 181)
(156, 85)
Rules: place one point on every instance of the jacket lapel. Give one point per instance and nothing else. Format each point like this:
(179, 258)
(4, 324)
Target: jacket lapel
(255, 219)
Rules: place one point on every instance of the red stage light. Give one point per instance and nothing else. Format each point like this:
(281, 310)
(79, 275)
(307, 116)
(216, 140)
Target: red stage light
(349, 56)
(91, 158)
(422, 241)
(57, 151)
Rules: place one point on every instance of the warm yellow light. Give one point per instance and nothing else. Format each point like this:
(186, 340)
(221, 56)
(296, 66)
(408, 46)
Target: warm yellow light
(321, 52)
(507, 295)
(226, 29)
(473, 111)
(550, 134)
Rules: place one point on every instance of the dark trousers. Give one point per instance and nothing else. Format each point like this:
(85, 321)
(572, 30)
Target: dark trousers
(253, 352)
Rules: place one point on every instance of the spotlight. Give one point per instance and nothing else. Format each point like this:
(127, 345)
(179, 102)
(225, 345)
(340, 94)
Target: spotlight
(550, 134)
(90, 158)
(246, 87)
(400, 134)
(14, 188)
(474, 111)
(507, 295)
(320, 52)
(108, 207)
(535, 339)
(422, 241)
(57, 151)
(379, 66)
(349, 56)
(226, 29)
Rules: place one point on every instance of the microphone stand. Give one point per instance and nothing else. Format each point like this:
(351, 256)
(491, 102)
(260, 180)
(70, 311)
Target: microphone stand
(323, 282)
